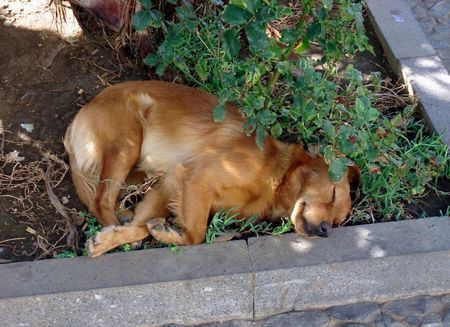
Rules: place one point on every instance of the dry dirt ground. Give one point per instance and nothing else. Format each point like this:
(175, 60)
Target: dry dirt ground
(46, 74)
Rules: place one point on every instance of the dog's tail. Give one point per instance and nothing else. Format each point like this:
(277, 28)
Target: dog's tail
(85, 173)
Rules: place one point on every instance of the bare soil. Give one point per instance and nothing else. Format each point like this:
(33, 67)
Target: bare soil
(46, 75)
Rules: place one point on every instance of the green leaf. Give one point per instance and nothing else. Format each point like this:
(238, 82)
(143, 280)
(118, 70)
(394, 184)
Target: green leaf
(172, 2)
(282, 12)
(144, 19)
(329, 154)
(151, 60)
(302, 46)
(219, 113)
(200, 69)
(140, 20)
(250, 5)
(330, 47)
(337, 170)
(160, 69)
(239, 3)
(276, 130)
(329, 130)
(146, 3)
(184, 12)
(231, 43)
(397, 121)
(372, 114)
(327, 4)
(256, 36)
(313, 31)
(288, 35)
(249, 125)
(260, 136)
(234, 15)
(266, 117)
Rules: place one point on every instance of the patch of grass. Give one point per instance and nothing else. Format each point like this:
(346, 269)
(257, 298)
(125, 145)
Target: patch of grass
(227, 224)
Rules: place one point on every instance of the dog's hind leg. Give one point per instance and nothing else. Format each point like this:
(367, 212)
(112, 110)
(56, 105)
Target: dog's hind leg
(117, 163)
(192, 214)
(153, 205)
(113, 236)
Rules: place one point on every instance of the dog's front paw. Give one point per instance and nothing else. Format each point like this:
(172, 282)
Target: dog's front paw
(103, 241)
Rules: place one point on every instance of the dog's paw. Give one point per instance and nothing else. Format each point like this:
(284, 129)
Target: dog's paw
(103, 241)
(136, 245)
(165, 233)
(157, 224)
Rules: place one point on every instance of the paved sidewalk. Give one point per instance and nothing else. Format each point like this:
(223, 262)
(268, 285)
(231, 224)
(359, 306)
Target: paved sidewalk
(426, 311)
(434, 18)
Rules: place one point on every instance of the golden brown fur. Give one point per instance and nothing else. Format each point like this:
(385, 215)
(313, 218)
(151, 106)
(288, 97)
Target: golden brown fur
(163, 128)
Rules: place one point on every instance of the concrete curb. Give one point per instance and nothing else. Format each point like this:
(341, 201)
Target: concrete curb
(413, 58)
(231, 280)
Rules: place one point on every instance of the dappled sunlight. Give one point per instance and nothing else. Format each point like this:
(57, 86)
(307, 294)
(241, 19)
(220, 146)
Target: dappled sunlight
(364, 240)
(430, 76)
(300, 245)
(40, 15)
(363, 237)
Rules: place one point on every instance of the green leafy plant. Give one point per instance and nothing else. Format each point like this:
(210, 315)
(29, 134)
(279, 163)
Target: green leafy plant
(257, 54)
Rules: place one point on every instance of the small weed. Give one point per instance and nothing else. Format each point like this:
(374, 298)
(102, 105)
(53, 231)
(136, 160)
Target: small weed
(227, 223)
(65, 254)
(446, 213)
(174, 248)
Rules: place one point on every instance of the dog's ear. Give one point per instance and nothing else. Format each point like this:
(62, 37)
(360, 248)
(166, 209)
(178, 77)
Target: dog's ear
(354, 179)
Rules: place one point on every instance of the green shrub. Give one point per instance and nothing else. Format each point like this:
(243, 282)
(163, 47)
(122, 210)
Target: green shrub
(283, 91)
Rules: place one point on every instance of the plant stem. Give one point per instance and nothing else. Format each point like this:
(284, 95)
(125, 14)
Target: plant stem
(276, 74)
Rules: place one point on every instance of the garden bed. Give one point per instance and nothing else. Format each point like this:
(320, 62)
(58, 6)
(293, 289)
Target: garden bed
(46, 80)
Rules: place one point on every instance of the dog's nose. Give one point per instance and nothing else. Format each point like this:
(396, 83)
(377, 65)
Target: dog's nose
(323, 229)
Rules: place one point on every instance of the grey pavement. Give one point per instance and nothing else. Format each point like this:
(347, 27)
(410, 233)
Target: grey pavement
(350, 274)
(418, 52)
(426, 311)
(434, 18)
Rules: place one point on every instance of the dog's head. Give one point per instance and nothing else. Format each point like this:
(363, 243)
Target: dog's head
(320, 203)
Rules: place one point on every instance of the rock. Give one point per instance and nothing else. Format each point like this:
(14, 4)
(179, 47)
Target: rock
(361, 312)
(383, 321)
(399, 324)
(446, 299)
(413, 320)
(412, 307)
(446, 320)
(304, 318)
(432, 320)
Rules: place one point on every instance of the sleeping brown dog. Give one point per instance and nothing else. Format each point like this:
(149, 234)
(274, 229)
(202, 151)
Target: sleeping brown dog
(161, 128)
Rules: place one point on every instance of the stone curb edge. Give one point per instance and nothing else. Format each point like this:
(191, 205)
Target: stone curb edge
(414, 60)
(231, 280)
